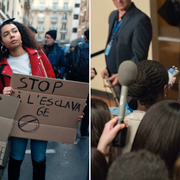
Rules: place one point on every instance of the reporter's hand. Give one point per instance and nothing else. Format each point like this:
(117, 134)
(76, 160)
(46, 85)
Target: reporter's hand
(109, 133)
(8, 91)
(104, 74)
(114, 79)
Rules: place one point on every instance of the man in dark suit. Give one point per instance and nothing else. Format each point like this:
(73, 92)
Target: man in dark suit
(130, 34)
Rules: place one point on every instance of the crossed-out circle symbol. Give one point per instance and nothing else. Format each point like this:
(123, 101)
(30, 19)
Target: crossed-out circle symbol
(28, 124)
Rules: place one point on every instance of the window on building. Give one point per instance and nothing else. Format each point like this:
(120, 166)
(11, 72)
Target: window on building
(39, 37)
(55, 5)
(42, 6)
(53, 27)
(75, 16)
(40, 27)
(40, 17)
(18, 16)
(77, 5)
(65, 16)
(65, 5)
(62, 36)
(8, 5)
(54, 16)
(63, 26)
(74, 30)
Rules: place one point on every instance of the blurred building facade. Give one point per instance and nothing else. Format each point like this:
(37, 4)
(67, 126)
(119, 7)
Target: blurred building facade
(18, 9)
(83, 17)
(69, 17)
(62, 16)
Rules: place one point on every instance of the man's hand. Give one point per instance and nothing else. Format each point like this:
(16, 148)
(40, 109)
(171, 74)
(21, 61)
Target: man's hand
(8, 91)
(114, 79)
(104, 74)
(92, 73)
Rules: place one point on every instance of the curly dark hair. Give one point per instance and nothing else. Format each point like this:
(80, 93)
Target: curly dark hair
(151, 79)
(27, 36)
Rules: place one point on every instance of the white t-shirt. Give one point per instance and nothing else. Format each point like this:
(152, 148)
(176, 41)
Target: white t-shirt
(133, 121)
(20, 65)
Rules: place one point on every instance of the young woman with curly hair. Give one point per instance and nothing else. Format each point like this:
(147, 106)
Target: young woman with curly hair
(20, 54)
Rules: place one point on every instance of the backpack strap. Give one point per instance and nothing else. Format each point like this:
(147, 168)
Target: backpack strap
(2, 77)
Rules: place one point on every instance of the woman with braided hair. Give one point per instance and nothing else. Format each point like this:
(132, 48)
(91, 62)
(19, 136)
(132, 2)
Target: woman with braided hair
(150, 86)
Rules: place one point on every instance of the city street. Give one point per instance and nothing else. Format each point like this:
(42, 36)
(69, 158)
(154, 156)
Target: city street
(64, 162)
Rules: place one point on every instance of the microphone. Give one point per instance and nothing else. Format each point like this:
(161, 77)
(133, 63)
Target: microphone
(126, 76)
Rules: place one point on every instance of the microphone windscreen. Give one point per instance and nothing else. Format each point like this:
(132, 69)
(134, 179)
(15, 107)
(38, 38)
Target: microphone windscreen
(127, 73)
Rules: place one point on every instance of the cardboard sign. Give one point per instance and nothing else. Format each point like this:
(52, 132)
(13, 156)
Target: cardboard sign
(8, 108)
(49, 108)
(2, 151)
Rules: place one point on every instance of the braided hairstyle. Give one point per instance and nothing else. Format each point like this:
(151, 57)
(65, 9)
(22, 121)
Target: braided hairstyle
(151, 79)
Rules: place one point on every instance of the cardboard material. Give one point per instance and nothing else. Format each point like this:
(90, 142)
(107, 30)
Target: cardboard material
(2, 151)
(8, 108)
(49, 108)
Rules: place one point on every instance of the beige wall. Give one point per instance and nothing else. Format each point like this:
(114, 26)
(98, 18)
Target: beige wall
(99, 32)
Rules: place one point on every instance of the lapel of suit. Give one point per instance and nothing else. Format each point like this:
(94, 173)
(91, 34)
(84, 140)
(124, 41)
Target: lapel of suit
(111, 25)
(127, 17)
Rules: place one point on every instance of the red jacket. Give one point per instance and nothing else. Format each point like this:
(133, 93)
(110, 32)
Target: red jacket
(36, 67)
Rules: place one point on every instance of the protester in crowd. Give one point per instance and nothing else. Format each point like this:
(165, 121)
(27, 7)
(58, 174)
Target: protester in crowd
(130, 33)
(55, 54)
(150, 86)
(20, 53)
(99, 166)
(69, 63)
(140, 165)
(34, 31)
(81, 74)
(81, 60)
(159, 132)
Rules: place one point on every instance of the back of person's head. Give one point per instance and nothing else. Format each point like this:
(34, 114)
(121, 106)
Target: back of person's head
(86, 33)
(140, 165)
(100, 115)
(27, 37)
(151, 82)
(99, 166)
(159, 132)
(33, 29)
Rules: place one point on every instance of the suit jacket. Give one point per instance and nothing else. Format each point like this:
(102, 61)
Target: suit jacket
(134, 35)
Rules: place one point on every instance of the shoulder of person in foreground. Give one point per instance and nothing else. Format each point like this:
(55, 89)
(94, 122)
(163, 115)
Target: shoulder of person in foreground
(47, 64)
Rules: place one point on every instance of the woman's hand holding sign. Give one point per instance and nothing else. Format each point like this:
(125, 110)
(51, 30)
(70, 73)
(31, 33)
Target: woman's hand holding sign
(8, 91)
